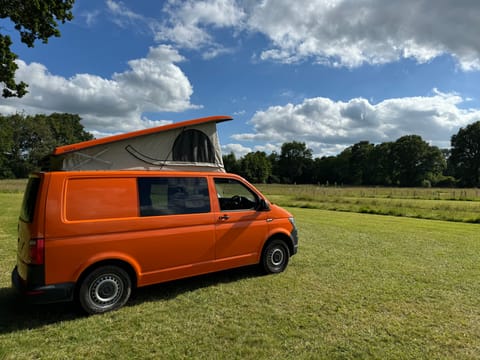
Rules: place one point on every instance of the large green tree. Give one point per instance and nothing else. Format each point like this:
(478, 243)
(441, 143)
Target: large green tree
(341, 167)
(26, 140)
(294, 159)
(256, 167)
(230, 163)
(415, 161)
(360, 166)
(465, 155)
(34, 20)
(382, 164)
(326, 170)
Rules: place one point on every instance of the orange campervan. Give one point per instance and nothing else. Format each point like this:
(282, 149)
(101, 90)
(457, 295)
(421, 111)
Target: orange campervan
(94, 235)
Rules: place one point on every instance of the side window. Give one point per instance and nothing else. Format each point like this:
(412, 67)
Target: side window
(173, 195)
(233, 195)
(27, 211)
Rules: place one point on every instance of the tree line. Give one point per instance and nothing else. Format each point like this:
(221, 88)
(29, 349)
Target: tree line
(26, 140)
(409, 161)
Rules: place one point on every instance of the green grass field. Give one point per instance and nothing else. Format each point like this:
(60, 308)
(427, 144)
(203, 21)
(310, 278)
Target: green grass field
(361, 286)
(461, 205)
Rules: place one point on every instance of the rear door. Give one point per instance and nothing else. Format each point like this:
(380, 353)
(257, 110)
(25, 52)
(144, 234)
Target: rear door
(30, 231)
(240, 228)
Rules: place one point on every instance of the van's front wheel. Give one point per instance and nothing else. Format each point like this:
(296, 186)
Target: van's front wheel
(275, 257)
(104, 289)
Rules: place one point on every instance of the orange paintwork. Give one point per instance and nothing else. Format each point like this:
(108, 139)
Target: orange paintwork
(87, 217)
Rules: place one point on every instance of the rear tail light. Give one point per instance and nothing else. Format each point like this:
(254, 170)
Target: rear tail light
(37, 251)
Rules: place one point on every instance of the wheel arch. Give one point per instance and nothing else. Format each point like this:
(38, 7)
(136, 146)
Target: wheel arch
(107, 262)
(279, 236)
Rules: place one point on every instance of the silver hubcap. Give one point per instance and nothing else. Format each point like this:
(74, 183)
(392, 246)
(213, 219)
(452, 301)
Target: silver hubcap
(106, 290)
(277, 257)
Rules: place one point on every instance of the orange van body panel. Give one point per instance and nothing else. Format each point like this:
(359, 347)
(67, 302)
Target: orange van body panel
(87, 217)
(120, 201)
(148, 251)
(244, 233)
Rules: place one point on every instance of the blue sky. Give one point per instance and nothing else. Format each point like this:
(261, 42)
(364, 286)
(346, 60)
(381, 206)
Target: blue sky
(329, 73)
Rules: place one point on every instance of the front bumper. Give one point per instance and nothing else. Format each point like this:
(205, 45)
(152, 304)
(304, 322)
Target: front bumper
(294, 237)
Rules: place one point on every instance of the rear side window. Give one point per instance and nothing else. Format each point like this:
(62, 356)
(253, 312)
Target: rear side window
(101, 198)
(27, 211)
(173, 195)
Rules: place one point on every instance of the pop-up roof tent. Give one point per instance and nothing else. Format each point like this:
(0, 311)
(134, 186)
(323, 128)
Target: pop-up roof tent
(187, 145)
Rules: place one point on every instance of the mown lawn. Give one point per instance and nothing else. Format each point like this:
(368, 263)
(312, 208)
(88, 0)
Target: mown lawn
(361, 286)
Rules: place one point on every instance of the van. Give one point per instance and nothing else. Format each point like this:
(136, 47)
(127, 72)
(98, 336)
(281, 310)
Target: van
(94, 236)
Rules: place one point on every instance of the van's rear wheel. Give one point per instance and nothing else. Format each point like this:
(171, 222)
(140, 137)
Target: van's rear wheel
(104, 289)
(275, 257)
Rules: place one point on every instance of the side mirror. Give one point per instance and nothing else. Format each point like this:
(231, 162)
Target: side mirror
(263, 205)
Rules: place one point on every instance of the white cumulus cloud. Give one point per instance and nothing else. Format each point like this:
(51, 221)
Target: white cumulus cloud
(189, 23)
(152, 84)
(327, 126)
(346, 33)
(238, 149)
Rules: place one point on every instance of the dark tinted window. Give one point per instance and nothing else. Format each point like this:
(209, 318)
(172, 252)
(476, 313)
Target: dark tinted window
(27, 211)
(173, 195)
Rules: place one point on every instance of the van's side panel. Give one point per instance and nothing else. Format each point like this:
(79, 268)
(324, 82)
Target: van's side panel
(158, 247)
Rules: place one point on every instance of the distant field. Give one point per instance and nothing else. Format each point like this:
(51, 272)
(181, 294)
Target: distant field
(376, 192)
(12, 186)
(361, 286)
(439, 204)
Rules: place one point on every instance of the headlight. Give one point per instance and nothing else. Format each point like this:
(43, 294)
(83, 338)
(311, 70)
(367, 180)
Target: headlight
(292, 221)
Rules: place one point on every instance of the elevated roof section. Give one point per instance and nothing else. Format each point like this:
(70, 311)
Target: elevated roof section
(114, 138)
(190, 145)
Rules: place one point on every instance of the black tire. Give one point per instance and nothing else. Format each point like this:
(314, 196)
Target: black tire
(105, 289)
(275, 257)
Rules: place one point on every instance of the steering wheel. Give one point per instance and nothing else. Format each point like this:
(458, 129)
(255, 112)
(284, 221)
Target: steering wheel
(236, 200)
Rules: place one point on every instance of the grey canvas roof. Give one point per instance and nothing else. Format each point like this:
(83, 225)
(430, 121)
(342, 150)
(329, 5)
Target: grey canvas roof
(187, 145)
